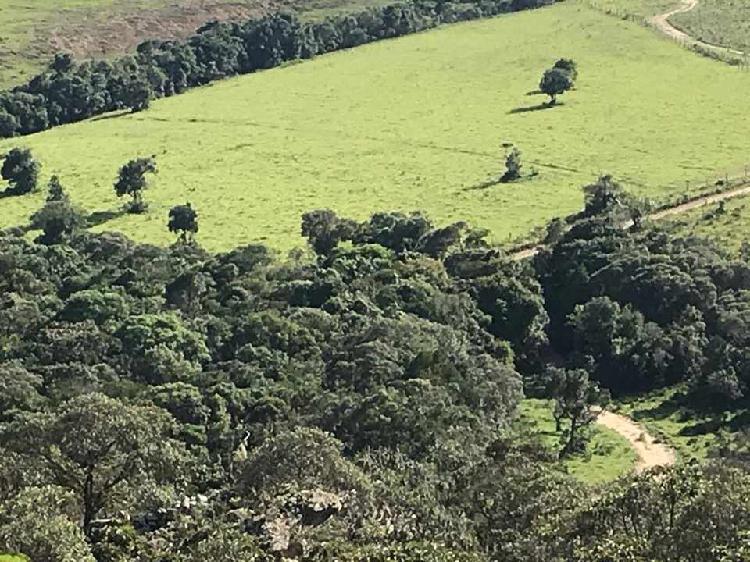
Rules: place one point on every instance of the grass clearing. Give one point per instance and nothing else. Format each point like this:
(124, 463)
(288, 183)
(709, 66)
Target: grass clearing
(12, 558)
(415, 123)
(609, 455)
(691, 433)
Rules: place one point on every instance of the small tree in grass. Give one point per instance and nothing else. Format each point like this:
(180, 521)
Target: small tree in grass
(184, 220)
(132, 181)
(21, 171)
(555, 81)
(513, 166)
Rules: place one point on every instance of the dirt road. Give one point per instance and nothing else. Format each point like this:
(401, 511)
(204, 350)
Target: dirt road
(650, 453)
(702, 201)
(662, 23)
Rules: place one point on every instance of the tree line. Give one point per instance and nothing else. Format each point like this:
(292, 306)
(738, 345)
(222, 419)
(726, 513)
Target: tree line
(69, 91)
(358, 401)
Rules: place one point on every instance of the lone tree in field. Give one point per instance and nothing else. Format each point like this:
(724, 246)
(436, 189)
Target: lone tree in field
(21, 171)
(184, 220)
(555, 81)
(132, 181)
(569, 66)
(513, 166)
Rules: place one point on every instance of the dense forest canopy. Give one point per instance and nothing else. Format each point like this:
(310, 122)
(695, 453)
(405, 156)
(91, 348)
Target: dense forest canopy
(357, 401)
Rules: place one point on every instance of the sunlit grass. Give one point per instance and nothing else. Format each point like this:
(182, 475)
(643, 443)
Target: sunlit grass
(416, 123)
(608, 454)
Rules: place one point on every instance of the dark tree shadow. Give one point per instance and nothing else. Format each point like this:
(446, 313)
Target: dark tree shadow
(483, 185)
(113, 115)
(100, 217)
(538, 107)
(534, 93)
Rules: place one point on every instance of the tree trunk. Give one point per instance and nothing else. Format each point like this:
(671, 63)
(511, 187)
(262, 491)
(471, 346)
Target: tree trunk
(88, 502)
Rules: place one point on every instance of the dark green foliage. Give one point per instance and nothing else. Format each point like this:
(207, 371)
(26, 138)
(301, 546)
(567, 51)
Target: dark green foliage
(132, 181)
(21, 171)
(569, 66)
(513, 166)
(359, 404)
(70, 91)
(183, 219)
(554, 82)
(576, 399)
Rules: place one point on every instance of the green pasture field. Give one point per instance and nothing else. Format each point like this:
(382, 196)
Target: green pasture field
(415, 123)
(12, 558)
(719, 22)
(608, 457)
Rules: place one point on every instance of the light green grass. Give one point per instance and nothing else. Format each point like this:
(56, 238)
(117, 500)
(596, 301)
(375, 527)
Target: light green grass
(729, 229)
(719, 22)
(416, 123)
(693, 434)
(12, 558)
(609, 455)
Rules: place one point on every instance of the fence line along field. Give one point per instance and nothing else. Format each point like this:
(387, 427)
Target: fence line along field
(415, 123)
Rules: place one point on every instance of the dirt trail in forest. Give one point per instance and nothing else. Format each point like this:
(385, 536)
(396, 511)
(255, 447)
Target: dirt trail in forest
(662, 23)
(650, 453)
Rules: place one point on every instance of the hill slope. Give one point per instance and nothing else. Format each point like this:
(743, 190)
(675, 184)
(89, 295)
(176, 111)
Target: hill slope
(416, 123)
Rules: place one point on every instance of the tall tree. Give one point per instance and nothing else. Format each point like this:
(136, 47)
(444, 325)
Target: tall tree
(99, 448)
(184, 220)
(576, 400)
(132, 181)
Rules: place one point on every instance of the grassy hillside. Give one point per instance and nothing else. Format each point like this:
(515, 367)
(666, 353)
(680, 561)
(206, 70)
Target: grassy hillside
(728, 225)
(719, 22)
(638, 9)
(32, 30)
(416, 123)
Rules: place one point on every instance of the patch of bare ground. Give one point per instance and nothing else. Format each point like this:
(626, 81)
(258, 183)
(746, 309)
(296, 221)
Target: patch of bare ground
(121, 27)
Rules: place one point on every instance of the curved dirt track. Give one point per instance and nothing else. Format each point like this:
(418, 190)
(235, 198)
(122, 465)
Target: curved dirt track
(650, 453)
(702, 201)
(662, 23)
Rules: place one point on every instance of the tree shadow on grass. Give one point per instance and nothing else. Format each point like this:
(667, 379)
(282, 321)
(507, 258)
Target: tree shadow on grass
(483, 185)
(538, 107)
(113, 115)
(100, 217)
